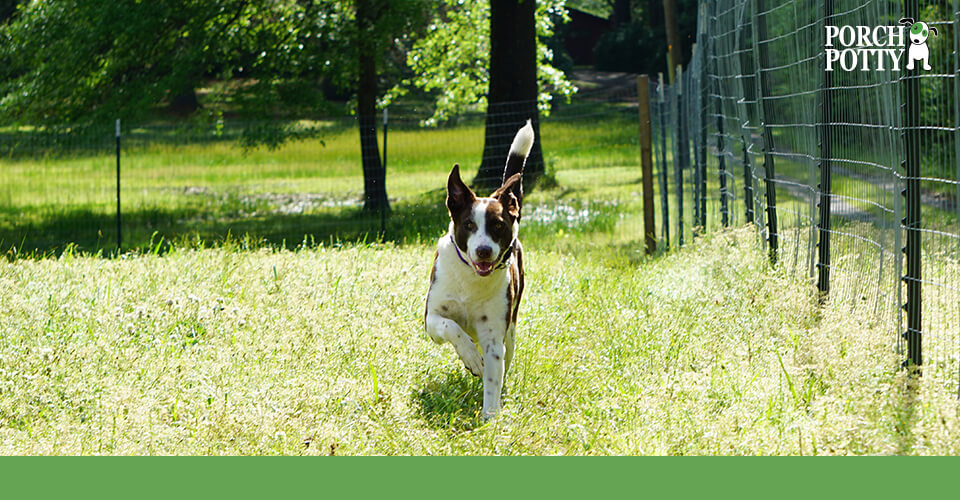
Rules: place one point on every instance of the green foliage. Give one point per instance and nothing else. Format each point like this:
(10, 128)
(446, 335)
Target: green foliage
(84, 62)
(638, 47)
(452, 58)
(632, 47)
(89, 60)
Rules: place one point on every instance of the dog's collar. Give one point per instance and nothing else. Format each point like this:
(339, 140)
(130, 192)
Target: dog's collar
(506, 255)
(503, 259)
(458, 252)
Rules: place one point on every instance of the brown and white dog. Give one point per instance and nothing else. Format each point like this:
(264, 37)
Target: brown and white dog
(477, 275)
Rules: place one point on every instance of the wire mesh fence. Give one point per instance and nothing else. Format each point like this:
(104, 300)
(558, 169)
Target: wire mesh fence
(217, 179)
(823, 124)
(832, 127)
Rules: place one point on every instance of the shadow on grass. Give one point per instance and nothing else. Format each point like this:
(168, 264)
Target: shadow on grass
(906, 414)
(286, 221)
(155, 229)
(453, 402)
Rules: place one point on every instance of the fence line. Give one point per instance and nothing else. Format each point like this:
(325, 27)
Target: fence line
(229, 177)
(850, 177)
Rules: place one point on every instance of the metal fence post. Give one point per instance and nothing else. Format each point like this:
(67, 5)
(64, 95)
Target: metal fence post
(646, 162)
(664, 173)
(702, 103)
(956, 113)
(747, 182)
(721, 156)
(119, 234)
(683, 150)
(383, 206)
(693, 101)
(722, 169)
(826, 150)
(763, 89)
(911, 84)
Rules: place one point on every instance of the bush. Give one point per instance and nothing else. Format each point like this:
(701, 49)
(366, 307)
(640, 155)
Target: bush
(633, 48)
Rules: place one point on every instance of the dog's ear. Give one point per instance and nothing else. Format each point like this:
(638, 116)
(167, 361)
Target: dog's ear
(459, 196)
(933, 30)
(907, 21)
(510, 203)
(510, 193)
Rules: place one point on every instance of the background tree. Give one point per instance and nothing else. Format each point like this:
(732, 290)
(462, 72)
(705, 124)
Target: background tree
(639, 44)
(374, 175)
(83, 61)
(512, 95)
(383, 29)
(457, 64)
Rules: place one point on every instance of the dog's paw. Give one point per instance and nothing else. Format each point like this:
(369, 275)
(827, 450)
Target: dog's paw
(472, 360)
(491, 413)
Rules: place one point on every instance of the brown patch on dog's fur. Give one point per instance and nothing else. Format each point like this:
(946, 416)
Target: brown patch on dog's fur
(460, 200)
(503, 209)
(515, 290)
(510, 195)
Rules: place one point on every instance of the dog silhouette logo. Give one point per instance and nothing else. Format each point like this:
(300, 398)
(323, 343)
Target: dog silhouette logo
(918, 50)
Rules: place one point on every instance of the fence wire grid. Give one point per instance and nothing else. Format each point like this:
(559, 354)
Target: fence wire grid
(849, 175)
(208, 180)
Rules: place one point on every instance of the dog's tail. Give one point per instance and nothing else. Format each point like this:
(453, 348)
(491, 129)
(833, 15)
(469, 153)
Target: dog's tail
(519, 149)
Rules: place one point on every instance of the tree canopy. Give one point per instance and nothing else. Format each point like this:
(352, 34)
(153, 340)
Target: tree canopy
(451, 61)
(73, 61)
(87, 60)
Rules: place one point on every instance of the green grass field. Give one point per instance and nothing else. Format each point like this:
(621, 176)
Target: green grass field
(180, 190)
(321, 351)
(258, 316)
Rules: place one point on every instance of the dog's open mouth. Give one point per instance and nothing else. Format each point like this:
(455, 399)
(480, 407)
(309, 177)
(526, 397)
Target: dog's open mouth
(483, 268)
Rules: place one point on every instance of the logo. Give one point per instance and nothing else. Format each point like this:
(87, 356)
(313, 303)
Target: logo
(918, 50)
(878, 48)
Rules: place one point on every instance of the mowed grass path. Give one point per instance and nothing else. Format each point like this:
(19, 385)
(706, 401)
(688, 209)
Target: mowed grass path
(321, 351)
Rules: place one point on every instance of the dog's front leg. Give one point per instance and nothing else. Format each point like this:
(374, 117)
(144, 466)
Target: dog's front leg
(445, 329)
(494, 353)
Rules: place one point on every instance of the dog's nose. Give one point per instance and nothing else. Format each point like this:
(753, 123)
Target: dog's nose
(484, 252)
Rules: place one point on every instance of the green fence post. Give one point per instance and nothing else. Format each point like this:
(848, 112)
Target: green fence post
(910, 79)
(826, 150)
(761, 61)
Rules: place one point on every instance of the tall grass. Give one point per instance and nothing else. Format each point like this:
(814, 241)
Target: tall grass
(321, 351)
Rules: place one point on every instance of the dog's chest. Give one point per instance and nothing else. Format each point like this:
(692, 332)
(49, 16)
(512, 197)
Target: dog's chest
(469, 300)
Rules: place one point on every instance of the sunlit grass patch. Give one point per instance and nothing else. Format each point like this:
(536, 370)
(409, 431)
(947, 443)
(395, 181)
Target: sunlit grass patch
(320, 350)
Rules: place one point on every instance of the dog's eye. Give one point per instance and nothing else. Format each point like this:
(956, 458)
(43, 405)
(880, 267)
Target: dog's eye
(498, 225)
(471, 226)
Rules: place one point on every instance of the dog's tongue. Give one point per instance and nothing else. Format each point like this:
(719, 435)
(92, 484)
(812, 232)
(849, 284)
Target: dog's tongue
(483, 268)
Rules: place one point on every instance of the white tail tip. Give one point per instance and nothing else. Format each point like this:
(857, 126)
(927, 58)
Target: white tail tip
(523, 141)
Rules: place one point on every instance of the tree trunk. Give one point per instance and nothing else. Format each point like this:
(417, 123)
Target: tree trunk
(654, 14)
(512, 96)
(374, 175)
(621, 12)
(185, 103)
(674, 48)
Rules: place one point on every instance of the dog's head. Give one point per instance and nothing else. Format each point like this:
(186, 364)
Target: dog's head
(483, 229)
(919, 31)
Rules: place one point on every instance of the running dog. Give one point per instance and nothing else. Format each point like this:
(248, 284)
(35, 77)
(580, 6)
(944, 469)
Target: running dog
(477, 276)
